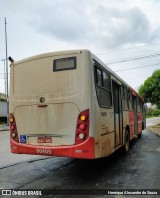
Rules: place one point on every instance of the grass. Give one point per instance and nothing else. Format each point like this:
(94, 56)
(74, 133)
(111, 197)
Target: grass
(155, 128)
(147, 116)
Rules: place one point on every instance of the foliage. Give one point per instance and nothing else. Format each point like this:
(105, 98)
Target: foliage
(152, 112)
(150, 90)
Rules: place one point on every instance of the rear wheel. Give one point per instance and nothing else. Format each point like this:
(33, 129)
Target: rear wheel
(127, 141)
(140, 134)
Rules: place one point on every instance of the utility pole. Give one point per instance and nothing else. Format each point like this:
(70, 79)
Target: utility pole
(6, 71)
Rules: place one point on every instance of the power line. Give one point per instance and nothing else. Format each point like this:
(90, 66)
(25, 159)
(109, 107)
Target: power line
(133, 58)
(109, 52)
(137, 67)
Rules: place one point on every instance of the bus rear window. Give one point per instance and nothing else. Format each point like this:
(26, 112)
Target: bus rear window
(64, 64)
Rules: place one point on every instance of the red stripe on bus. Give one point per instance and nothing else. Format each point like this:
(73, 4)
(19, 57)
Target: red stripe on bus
(83, 150)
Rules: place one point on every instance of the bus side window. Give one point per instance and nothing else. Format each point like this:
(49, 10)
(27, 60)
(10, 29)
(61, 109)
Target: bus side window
(124, 98)
(138, 104)
(106, 81)
(103, 88)
(98, 77)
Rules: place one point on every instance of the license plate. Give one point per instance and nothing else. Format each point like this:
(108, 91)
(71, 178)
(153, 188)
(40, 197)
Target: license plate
(44, 140)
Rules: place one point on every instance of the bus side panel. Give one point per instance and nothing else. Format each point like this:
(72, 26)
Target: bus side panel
(140, 119)
(107, 146)
(125, 123)
(131, 124)
(144, 116)
(104, 132)
(102, 121)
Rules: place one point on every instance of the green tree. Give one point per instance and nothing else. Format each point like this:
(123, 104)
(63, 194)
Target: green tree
(150, 90)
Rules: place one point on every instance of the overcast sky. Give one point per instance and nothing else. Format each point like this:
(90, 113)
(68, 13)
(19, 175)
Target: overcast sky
(120, 27)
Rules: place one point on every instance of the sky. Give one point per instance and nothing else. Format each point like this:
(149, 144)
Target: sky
(124, 34)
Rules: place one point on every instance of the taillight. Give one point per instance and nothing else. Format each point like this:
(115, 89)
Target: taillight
(82, 126)
(83, 117)
(11, 119)
(82, 129)
(13, 128)
(82, 136)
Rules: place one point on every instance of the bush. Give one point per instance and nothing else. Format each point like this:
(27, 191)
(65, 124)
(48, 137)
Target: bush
(152, 112)
(156, 112)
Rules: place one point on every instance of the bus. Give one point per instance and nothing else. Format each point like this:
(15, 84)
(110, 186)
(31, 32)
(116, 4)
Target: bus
(70, 104)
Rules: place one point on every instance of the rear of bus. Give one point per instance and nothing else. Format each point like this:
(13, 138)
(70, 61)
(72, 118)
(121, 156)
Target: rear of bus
(49, 105)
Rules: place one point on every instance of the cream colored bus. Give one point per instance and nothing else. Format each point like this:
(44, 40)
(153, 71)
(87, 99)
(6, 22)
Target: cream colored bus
(71, 104)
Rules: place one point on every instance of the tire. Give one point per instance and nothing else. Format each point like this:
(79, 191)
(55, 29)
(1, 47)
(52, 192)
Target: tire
(139, 135)
(126, 142)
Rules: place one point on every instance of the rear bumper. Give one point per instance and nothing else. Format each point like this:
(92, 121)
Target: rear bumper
(84, 150)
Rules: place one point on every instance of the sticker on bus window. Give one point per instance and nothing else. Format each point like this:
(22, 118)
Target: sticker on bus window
(23, 139)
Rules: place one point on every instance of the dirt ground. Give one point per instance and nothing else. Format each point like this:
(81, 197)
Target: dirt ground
(155, 128)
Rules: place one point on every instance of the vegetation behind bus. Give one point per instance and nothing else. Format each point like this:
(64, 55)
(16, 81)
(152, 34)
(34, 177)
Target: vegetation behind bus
(150, 90)
(152, 112)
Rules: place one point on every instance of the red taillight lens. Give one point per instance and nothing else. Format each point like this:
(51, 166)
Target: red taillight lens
(13, 128)
(82, 126)
(82, 130)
